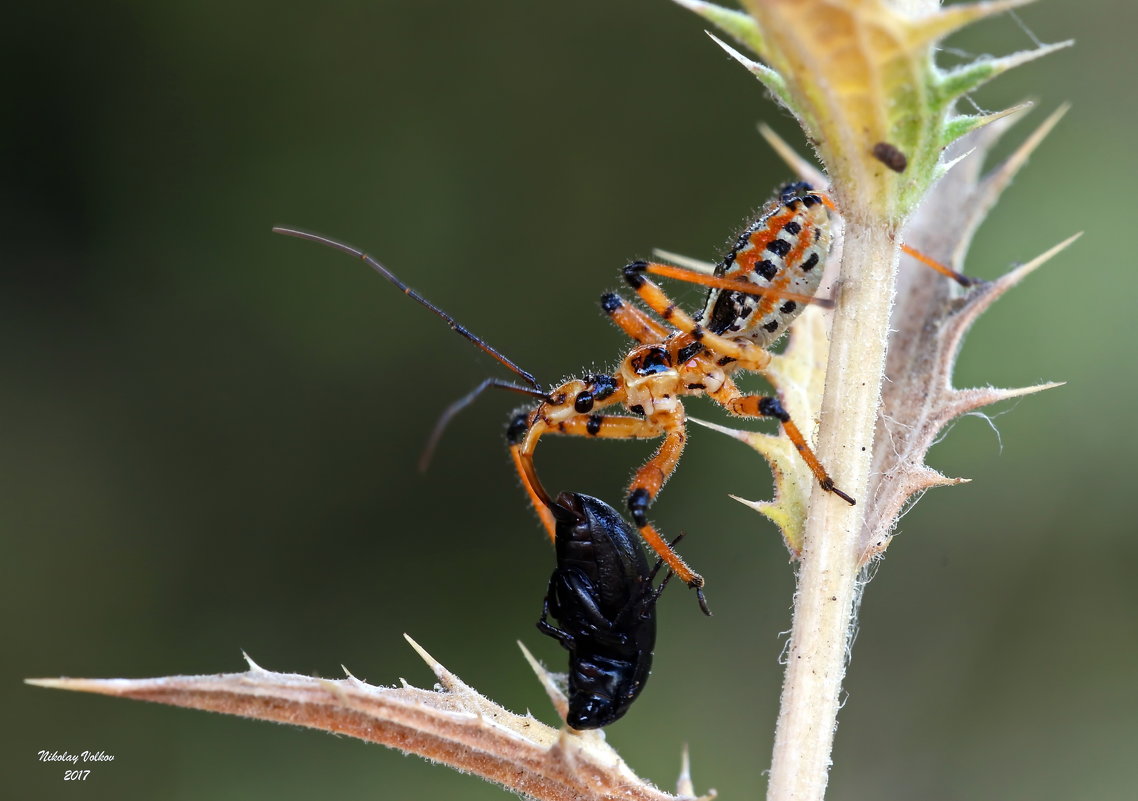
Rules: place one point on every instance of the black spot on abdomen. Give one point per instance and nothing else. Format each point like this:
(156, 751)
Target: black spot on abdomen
(779, 247)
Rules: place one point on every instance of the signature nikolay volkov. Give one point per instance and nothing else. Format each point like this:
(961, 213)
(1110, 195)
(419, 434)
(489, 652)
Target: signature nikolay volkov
(82, 756)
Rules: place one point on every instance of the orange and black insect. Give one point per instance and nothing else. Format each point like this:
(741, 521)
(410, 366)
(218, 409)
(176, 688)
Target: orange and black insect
(770, 273)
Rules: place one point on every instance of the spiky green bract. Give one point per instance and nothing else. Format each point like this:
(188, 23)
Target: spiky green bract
(857, 73)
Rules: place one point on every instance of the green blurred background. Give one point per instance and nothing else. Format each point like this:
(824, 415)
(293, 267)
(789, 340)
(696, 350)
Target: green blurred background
(211, 432)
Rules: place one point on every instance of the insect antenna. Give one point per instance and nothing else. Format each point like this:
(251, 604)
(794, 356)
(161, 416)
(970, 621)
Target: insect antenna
(534, 389)
(460, 404)
(455, 326)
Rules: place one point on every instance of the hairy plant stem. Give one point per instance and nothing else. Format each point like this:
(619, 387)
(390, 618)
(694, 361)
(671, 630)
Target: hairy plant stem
(828, 580)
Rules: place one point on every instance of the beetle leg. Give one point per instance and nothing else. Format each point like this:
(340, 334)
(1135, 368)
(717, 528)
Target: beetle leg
(545, 627)
(585, 601)
(567, 641)
(659, 589)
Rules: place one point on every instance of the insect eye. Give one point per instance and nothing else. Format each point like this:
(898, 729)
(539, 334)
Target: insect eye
(653, 360)
(603, 386)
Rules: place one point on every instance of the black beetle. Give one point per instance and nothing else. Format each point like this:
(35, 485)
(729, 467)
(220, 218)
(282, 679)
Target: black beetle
(602, 596)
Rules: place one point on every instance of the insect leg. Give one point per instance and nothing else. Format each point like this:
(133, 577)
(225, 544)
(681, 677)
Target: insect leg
(730, 284)
(545, 627)
(523, 462)
(632, 320)
(527, 431)
(660, 562)
(646, 486)
(572, 399)
(943, 269)
(729, 397)
(586, 612)
(749, 356)
(655, 298)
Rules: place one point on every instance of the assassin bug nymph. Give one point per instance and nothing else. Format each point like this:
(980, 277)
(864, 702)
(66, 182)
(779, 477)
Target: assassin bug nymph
(770, 273)
(602, 596)
(773, 270)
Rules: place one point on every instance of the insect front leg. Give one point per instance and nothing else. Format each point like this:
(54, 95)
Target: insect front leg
(571, 401)
(646, 485)
(528, 428)
(656, 591)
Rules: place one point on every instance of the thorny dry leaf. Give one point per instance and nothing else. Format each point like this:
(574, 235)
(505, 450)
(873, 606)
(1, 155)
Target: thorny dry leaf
(452, 724)
(929, 321)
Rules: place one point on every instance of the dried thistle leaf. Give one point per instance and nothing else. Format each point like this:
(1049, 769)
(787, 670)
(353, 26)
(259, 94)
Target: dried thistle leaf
(454, 725)
(929, 323)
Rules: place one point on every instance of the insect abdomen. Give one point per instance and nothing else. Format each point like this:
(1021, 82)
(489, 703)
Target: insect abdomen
(784, 249)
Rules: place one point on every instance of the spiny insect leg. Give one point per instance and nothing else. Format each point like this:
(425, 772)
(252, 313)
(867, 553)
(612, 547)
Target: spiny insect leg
(539, 500)
(646, 486)
(631, 320)
(943, 269)
(730, 284)
(527, 428)
(730, 398)
(655, 299)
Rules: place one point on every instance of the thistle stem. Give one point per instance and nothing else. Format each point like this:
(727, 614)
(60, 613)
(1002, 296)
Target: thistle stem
(829, 578)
